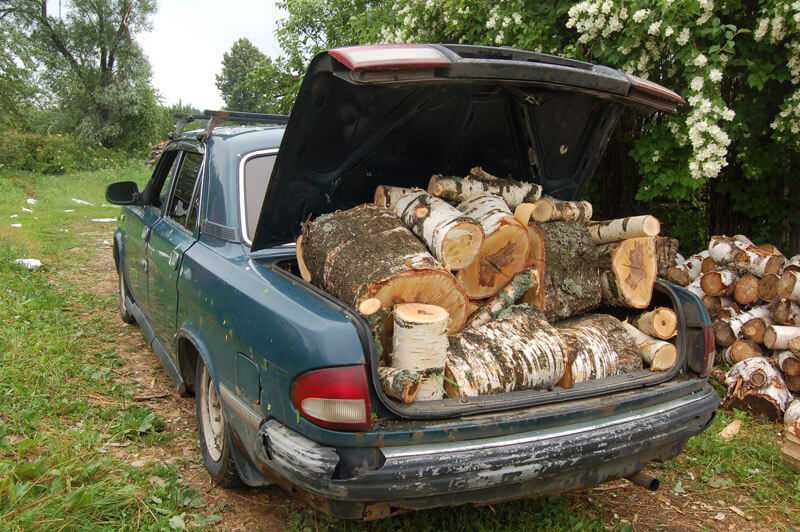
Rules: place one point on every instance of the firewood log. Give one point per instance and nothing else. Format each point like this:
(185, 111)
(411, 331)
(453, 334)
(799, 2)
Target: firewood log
(597, 346)
(480, 173)
(726, 313)
(785, 312)
(723, 249)
(741, 350)
(367, 252)
(746, 290)
(603, 232)
(419, 344)
(792, 382)
(377, 318)
(505, 298)
(779, 336)
(566, 262)
(789, 285)
(301, 264)
(549, 209)
(755, 328)
(399, 384)
(708, 265)
(457, 190)
(758, 262)
(791, 419)
(769, 248)
(388, 196)
(768, 287)
(695, 288)
(684, 273)
(666, 254)
(504, 252)
(793, 264)
(517, 352)
(628, 272)
(452, 237)
(789, 363)
(657, 354)
(728, 330)
(755, 385)
(794, 345)
(719, 306)
(720, 283)
(659, 323)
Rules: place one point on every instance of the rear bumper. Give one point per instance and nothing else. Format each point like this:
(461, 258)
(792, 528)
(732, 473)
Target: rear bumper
(370, 483)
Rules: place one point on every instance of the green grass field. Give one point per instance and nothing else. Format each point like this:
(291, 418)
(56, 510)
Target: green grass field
(64, 414)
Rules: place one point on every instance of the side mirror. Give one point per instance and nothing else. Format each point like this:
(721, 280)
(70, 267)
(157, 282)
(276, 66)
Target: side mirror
(123, 193)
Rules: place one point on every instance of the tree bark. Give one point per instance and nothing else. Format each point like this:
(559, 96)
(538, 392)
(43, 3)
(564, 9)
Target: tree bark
(517, 352)
(419, 344)
(789, 285)
(399, 384)
(755, 328)
(723, 249)
(768, 287)
(550, 209)
(758, 262)
(451, 237)
(660, 323)
(755, 385)
(780, 336)
(567, 264)
(628, 272)
(367, 252)
(666, 253)
(793, 264)
(785, 312)
(597, 346)
(719, 283)
(501, 302)
(603, 232)
(457, 190)
(657, 354)
(684, 273)
(504, 252)
(388, 196)
(728, 330)
(695, 288)
(789, 363)
(746, 290)
(378, 320)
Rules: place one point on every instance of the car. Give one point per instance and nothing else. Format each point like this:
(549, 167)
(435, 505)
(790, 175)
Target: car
(285, 376)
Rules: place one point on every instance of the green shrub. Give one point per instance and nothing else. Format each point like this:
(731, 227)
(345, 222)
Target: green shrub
(53, 154)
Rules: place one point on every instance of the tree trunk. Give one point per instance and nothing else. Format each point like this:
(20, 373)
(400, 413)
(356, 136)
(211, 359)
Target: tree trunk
(785, 312)
(789, 363)
(301, 264)
(628, 272)
(504, 251)
(657, 354)
(755, 328)
(758, 262)
(660, 323)
(566, 262)
(768, 287)
(779, 336)
(399, 384)
(689, 270)
(517, 352)
(719, 283)
(457, 190)
(452, 238)
(755, 385)
(789, 285)
(746, 290)
(597, 346)
(367, 252)
(666, 253)
(378, 319)
(501, 302)
(726, 331)
(624, 228)
(550, 209)
(419, 344)
(388, 196)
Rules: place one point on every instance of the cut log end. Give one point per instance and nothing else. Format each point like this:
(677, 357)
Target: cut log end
(678, 276)
(399, 384)
(461, 245)
(418, 312)
(746, 290)
(768, 287)
(634, 268)
(369, 306)
(661, 323)
(301, 263)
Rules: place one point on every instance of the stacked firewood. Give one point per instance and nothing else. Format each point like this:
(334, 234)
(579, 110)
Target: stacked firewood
(479, 285)
(752, 294)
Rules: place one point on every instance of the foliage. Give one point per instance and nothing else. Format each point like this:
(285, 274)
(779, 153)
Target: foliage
(54, 154)
(16, 90)
(274, 86)
(236, 64)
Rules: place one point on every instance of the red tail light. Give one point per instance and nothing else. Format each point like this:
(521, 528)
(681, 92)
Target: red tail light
(335, 398)
(389, 57)
(710, 350)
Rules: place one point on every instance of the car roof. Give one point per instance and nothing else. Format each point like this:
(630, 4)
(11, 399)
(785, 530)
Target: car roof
(243, 139)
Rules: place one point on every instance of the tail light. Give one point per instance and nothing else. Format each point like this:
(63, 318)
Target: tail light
(335, 398)
(389, 57)
(710, 351)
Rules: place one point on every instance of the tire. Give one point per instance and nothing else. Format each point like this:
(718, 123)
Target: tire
(126, 316)
(215, 440)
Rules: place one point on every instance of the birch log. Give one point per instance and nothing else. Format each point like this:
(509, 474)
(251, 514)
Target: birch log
(723, 249)
(501, 302)
(606, 231)
(388, 196)
(628, 272)
(457, 190)
(791, 419)
(597, 346)
(480, 173)
(769, 248)
(567, 264)
(549, 209)
(695, 288)
(708, 265)
(768, 287)
(666, 254)
(367, 252)
(794, 345)
(728, 330)
(725, 312)
(720, 283)
(504, 252)
(755, 385)
(779, 336)
(660, 323)
(452, 237)
(758, 262)
(789, 285)
(657, 354)
(301, 263)
(755, 328)
(419, 344)
(789, 363)
(742, 350)
(517, 352)
(378, 320)
(746, 290)
(793, 264)
(399, 384)
(785, 312)
(684, 273)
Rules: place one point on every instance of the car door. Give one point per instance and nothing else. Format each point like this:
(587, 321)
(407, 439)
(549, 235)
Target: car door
(169, 239)
(137, 221)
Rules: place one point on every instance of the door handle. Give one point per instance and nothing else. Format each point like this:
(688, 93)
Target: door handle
(173, 259)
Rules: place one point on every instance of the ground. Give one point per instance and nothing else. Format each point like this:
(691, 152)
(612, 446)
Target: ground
(93, 434)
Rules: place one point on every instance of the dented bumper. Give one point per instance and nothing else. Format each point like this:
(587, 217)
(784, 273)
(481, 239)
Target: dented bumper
(373, 483)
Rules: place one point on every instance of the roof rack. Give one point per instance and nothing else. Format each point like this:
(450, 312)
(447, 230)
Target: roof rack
(215, 118)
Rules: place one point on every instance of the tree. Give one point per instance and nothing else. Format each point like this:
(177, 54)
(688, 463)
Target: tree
(274, 87)
(92, 65)
(16, 88)
(236, 64)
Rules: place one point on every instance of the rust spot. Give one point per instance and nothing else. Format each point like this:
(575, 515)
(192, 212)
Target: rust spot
(417, 436)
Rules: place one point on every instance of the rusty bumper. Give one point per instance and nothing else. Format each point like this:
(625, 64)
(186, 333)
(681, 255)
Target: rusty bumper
(374, 483)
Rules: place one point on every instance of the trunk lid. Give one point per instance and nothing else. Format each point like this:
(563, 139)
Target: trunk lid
(396, 114)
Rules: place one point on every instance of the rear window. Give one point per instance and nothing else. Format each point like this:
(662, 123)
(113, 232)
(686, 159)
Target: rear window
(254, 185)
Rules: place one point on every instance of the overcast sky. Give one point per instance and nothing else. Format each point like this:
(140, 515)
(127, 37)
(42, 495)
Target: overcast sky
(189, 37)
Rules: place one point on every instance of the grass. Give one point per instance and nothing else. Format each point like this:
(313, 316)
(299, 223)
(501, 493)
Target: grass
(64, 415)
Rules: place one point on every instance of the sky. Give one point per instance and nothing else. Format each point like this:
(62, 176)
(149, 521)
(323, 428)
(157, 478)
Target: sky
(188, 39)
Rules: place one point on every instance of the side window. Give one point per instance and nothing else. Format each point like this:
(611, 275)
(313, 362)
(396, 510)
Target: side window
(184, 186)
(159, 183)
(257, 172)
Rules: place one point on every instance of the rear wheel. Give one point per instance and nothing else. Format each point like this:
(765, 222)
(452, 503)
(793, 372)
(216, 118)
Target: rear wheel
(215, 442)
(126, 316)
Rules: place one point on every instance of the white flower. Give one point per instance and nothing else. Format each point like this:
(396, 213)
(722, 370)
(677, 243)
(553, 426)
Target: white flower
(517, 18)
(641, 15)
(697, 83)
(683, 38)
(669, 31)
(654, 27)
(499, 38)
(429, 4)
(715, 75)
(761, 30)
(700, 60)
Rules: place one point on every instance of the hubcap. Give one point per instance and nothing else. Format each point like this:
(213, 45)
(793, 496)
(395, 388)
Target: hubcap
(211, 416)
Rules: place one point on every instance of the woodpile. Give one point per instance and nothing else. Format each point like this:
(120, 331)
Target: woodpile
(480, 285)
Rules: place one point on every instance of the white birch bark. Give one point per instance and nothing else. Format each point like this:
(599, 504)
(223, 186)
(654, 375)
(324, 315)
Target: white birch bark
(789, 285)
(791, 418)
(723, 249)
(487, 209)
(460, 189)
(793, 264)
(606, 231)
(419, 340)
(789, 363)
(549, 209)
(728, 330)
(695, 288)
(388, 196)
(688, 270)
(657, 354)
(758, 262)
(779, 336)
(756, 382)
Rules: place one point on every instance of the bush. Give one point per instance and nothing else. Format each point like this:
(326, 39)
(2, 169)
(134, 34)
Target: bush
(53, 154)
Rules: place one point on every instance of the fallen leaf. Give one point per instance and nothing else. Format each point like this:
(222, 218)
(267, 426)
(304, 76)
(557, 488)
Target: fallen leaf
(679, 488)
(731, 430)
(157, 481)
